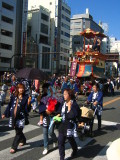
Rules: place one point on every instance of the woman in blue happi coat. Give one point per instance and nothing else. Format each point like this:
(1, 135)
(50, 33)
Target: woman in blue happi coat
(70, 113)
(17, 112)
(96, 99)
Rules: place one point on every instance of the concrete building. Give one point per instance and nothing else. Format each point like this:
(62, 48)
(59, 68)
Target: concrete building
(114, 49)
(105, 47)
(39, 21)
(7, 33)
(20, 33)
(59, 31)
(110, 45)
(13, 31)
(79, 23)
(114, 45)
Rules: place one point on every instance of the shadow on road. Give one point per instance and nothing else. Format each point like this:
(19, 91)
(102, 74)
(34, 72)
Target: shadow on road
(106, 109)
(89, 151)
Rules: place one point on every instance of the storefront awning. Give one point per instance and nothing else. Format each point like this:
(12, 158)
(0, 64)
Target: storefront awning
(84, 71)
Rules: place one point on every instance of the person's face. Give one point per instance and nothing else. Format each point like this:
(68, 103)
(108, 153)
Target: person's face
(13, 78)
(21, 90)
(66, 79)
(71, 81)
(66, 96)
(95, 88)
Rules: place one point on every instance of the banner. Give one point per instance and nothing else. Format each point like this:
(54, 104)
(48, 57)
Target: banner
(84, 71)
(73, 69)
(81, 71)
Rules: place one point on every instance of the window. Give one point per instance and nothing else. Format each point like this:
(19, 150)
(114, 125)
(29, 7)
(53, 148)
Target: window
(5, 46)
(65, 42)
(5, 60)
(6, 33)
(65, 26)
(78, 29)
(65, 18)
(7, 6)
(46, 58)
(64, 50)
(44, 17)
(7, 20)
(66, 10)
(43, 39)
(65, 34)
(77, 23)
(76, 42)
(44, 28)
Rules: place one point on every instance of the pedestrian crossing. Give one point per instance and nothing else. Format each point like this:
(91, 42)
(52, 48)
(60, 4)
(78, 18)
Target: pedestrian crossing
(102, 153)
(11, 134)
(35, 146)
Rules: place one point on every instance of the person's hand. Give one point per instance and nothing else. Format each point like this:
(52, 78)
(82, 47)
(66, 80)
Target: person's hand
(76, 94)
(87, 102)
(48, 112)
(29, 100)
(3, 116)
(95, 103)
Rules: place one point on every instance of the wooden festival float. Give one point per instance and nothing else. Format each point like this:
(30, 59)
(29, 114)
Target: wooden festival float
(88, 62)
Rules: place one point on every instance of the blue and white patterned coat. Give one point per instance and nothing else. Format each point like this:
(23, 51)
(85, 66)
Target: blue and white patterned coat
(68, 125)
(99, 98)
(21, 113)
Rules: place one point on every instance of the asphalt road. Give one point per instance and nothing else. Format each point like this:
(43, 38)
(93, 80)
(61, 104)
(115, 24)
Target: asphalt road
(92, 148)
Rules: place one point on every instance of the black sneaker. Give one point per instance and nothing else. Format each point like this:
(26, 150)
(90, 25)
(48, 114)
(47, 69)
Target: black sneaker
(99, 128)
(73, 154)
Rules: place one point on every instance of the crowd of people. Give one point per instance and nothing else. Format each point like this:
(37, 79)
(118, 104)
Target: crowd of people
(56, 101)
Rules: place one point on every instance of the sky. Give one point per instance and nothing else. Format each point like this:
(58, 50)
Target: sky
(107, 11)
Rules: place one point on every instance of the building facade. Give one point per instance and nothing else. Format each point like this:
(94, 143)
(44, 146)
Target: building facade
(20, 33)
(59, 31)
(78, 24)
(114, 45)
(39, 22)
(7, 33)
(105, 47)
(13, 31)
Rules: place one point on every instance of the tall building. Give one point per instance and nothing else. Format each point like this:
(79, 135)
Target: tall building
(7, 33)
(39, 21)
(13, 29)
(20, 32)
(105, 47)
(110, 45)
(114, 45)
(78, 24)
(59, 30)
